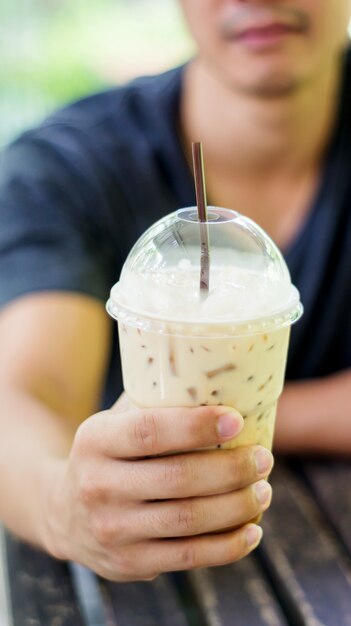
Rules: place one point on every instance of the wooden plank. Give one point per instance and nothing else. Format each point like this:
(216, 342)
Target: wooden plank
(90, 597)
(331, 484)
(40, 588)
(236, 595)
(5, 613)
(153, 603)
(311, 576)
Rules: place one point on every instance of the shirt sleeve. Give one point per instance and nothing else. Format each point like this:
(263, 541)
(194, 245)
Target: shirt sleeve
(52, 201)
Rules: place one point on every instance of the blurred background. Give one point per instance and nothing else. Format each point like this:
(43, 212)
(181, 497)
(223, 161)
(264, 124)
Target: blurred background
(53, 51)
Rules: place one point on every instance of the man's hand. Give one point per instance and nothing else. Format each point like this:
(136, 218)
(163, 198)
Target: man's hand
(128, 513)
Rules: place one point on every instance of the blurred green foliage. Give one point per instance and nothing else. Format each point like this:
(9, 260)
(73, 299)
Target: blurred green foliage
(56, 50)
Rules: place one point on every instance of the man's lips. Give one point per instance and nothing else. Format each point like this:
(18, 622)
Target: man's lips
(264, 34)
(262, 28)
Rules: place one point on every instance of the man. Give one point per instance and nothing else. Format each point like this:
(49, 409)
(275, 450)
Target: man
(268, 95)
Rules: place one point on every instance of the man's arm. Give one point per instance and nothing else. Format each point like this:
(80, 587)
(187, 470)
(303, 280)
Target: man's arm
(53, 356)
(315, 416)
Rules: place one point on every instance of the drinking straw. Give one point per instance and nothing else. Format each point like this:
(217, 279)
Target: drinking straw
(200, 188)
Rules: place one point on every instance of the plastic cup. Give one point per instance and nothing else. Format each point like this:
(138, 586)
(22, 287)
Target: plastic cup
(181, 348)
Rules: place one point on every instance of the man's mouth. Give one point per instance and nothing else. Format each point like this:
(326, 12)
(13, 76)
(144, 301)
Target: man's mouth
(265, 35)
(263, 29)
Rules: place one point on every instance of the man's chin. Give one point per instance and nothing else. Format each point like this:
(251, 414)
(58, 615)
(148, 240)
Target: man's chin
(269, 88)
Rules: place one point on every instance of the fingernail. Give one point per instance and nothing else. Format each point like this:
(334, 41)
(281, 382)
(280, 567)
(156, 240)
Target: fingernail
(253, 535)
(263, 460)
(229, 425)
(263, 492)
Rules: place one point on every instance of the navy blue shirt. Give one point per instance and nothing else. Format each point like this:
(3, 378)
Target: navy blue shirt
(76, 193)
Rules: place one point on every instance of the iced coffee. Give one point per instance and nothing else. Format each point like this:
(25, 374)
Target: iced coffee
(179, 348)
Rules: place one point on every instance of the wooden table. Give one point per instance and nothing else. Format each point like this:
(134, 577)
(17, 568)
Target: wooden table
(300, 576)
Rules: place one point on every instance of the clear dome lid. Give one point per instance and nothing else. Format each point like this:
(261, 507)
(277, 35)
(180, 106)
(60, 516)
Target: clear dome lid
(249, 282)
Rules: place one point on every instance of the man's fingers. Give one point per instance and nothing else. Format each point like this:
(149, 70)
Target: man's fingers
(198, 516)
(188, 475)
(150, 432)
(168, 555)
(207, 551)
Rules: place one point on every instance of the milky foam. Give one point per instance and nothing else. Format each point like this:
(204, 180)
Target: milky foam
(236, 294)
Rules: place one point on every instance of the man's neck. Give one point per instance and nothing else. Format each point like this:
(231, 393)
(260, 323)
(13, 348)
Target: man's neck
(243, 134)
